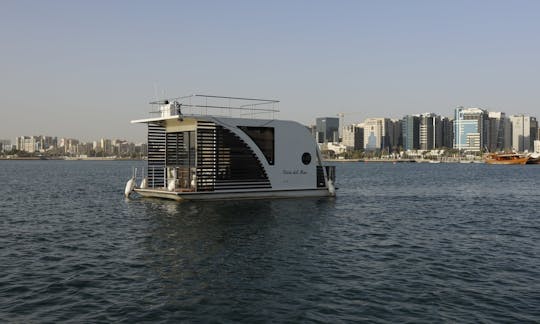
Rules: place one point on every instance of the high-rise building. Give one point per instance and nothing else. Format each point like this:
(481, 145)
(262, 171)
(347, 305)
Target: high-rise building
(376, 133)
(524, 131)
(44, 143)
(71, 146)
(430, 131)
(411, 132)
(353, 137)
(106, 146)
(26, 143)
(96, 146)
(534, 132)
(395, 135)
(500, 135)
(447, 126)
(470, 129)
(5, 145)
(327, 129)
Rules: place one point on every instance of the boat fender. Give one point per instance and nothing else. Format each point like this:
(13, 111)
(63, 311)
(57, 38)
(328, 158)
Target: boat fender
(193, 181)
(171, 185)
(331, 188)
(130, 186)
(144, 183)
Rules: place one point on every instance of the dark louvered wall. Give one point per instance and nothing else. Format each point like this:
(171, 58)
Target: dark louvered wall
(156, 155)
(238, 167)
(224, 161)
(206, 156)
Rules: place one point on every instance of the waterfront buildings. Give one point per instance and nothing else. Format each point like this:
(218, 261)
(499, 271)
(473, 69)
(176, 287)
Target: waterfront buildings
(106, 146)
(5, 145)
(430, 131)
(71, 146)
(410, 126)
(470, 129)
(500, 132)
(337, 148)
(26, 143)
(447, 126)
(327, 129)
(396, 135)
(426, 131)
(353, 137)
(32, 144)
(393, 135)
(524, 132)
(380, 134)
(377, 133)
(54, 146)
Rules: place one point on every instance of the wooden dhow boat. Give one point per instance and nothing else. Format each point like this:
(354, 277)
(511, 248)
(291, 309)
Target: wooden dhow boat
(506, 158)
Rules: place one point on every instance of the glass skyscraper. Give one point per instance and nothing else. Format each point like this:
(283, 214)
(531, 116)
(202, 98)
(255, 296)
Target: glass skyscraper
(327, 129)
(470, 129)
(410, 127)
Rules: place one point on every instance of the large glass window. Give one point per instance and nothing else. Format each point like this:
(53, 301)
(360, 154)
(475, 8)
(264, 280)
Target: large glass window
(180, 158)
(264, 138)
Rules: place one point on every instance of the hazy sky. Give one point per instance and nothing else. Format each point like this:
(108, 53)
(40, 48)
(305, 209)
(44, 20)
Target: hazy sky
(84, 69)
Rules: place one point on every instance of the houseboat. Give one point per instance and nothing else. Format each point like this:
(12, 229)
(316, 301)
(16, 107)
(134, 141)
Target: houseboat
(212, 147)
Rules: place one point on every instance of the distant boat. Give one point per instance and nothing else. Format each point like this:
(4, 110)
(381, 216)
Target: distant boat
(506, 158)
(534, 158)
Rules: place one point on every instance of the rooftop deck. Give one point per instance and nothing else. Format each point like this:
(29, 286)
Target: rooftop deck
(208, 105)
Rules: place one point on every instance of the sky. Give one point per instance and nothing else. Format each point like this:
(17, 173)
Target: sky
(84, 69)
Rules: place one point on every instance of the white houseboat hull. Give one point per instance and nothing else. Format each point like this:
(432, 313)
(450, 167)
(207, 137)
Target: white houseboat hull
(181, 196)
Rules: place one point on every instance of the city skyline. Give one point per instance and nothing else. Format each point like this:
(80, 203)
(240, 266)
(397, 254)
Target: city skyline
(61, 146)
(471, 130)
(327, 137)
(82, 69)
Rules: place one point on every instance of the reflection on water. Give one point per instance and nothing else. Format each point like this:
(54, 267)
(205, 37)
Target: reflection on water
(222, 244)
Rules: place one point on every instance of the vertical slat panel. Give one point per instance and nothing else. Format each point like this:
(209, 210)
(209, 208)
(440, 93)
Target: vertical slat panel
(156, 155)
(206, 156)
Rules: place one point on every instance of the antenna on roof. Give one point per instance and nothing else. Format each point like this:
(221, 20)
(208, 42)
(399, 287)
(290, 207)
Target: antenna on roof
(155, 92)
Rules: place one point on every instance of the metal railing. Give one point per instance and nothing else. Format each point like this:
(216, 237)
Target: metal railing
(208, 105)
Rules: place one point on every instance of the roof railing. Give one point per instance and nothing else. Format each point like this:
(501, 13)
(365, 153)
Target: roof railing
(209, 105)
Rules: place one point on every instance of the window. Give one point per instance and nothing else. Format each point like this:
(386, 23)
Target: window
(306, 158)
(263, 138)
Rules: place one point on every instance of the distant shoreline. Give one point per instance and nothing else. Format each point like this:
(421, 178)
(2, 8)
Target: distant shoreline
(451, 160)
(36, 158)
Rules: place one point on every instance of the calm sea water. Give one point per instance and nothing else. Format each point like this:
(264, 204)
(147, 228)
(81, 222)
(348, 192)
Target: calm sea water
(400, 243)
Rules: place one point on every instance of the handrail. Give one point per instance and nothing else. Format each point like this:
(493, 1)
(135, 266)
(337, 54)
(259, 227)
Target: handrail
(199, 105)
